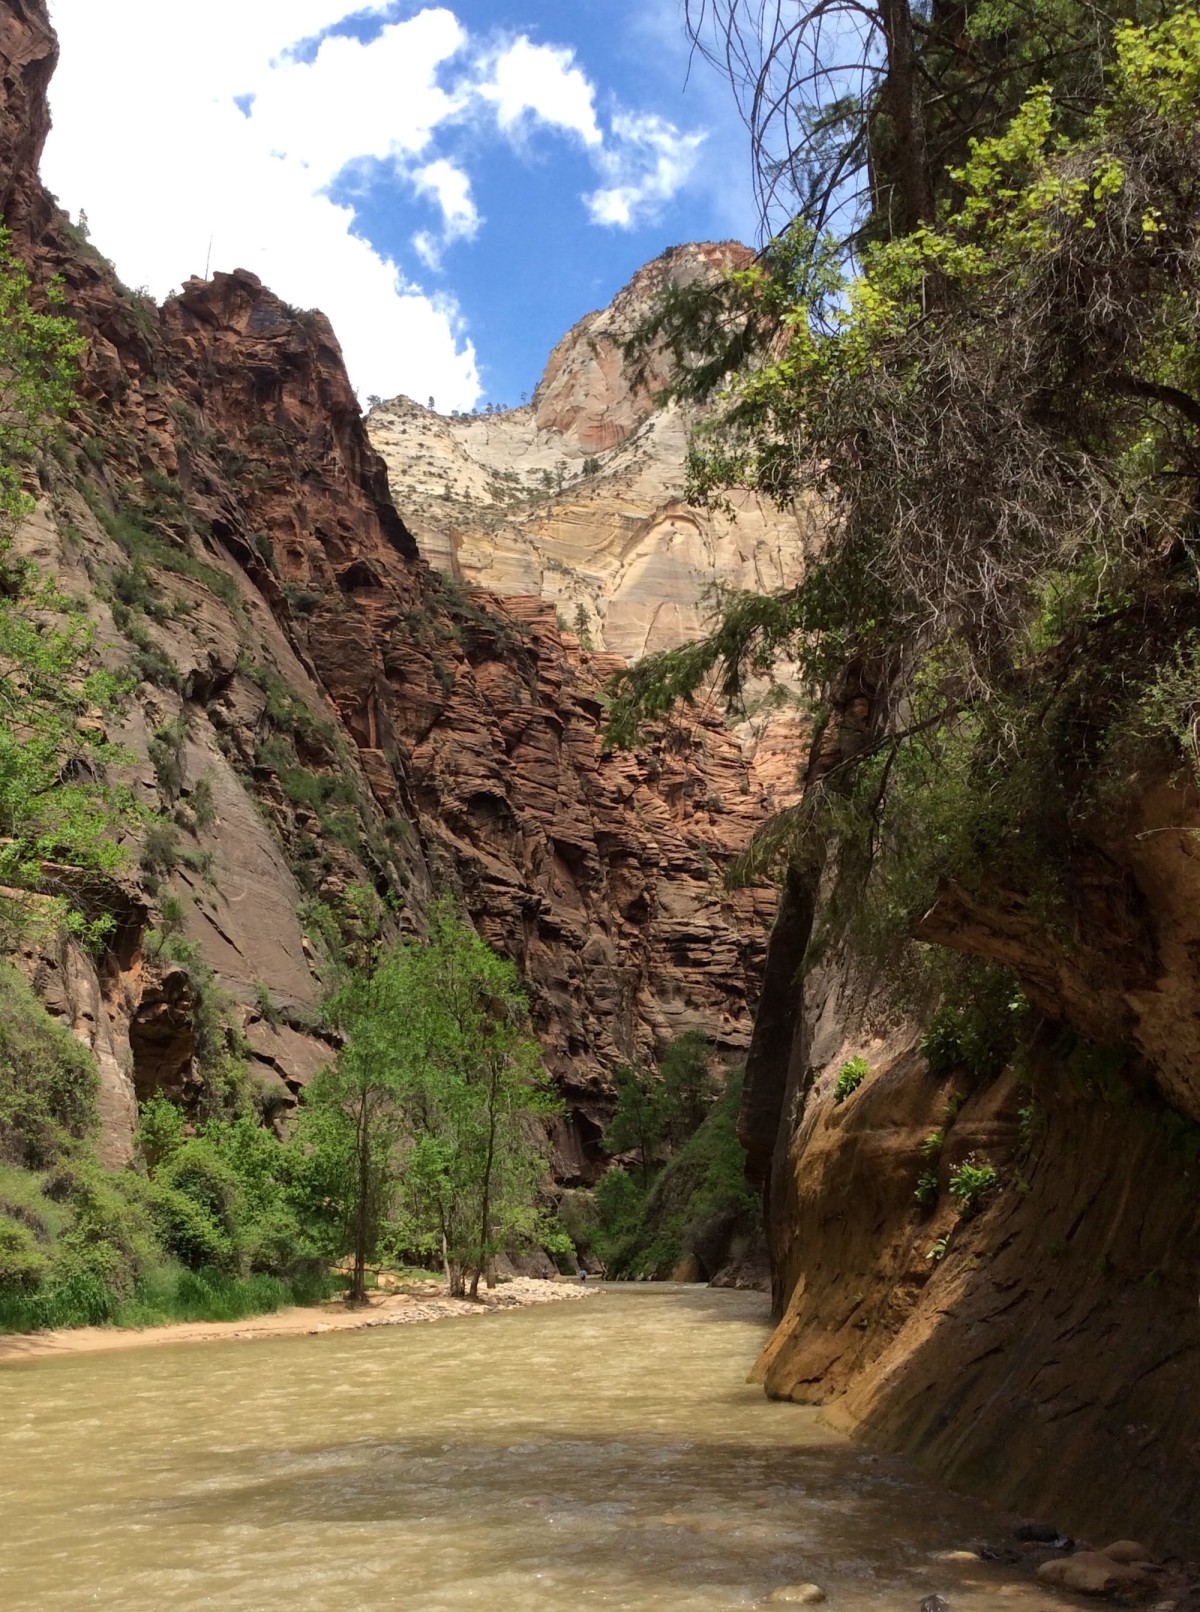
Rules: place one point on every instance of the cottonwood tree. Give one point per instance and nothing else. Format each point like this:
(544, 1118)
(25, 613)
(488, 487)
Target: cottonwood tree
(476, 1101)
(859, 110)
(430, 1125)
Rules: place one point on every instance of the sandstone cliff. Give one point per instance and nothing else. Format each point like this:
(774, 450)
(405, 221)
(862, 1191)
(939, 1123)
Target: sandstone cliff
(322, 717)
(576, 496)
(1043, 1349)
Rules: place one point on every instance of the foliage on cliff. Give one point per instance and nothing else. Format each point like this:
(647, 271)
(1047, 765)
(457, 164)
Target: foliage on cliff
(693, 1207)
(54, 696)
(1000, 408)
(679, 1191)
(205, 1232)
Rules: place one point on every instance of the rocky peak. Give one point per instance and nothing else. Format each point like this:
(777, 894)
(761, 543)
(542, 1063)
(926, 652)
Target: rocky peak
(577, 497)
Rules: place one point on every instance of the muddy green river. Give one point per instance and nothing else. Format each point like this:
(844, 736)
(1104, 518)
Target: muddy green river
(601, 1454)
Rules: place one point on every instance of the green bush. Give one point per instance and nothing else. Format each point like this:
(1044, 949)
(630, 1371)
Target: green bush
(161, 1131)
(849, 1078)
(48, 1080)
(700, 1195)
(196, 1197)
(23, 1265)
(970, 1183)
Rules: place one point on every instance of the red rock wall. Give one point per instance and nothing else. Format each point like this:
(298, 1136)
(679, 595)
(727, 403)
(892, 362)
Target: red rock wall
(465, 722)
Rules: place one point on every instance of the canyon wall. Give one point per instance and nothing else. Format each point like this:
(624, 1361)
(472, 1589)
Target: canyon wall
(1039, 1347)
(323, 719)
(577, 496)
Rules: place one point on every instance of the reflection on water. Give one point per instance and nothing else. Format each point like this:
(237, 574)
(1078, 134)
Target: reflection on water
(604, 1454)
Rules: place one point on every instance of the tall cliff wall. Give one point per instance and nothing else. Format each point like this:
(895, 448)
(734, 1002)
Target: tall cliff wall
(1042, 1351)
(577, 495)
(349, 721)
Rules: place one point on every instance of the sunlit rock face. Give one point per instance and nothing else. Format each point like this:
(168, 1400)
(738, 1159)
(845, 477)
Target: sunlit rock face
(304, 648)
(577, 496)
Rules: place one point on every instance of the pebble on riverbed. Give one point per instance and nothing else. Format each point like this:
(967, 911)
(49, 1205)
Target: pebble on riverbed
(796, 1595)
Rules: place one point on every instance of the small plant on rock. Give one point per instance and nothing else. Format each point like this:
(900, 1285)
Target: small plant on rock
(850, 1077)
(927, 1189)
(970, 1183)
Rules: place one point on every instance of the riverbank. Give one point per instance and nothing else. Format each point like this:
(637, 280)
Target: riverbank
(412, 1302)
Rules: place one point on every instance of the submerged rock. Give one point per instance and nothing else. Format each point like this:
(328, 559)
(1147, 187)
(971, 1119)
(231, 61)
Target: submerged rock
(1041, 1533)
(796, 1595)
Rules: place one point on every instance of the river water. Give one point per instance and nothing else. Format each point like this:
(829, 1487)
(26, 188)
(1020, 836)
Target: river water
(607, 1453)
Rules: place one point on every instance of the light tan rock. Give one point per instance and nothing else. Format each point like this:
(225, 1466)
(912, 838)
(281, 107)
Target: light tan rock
(1127, 1550)
(576, 497)
(797, 1595)
(1091, 1573)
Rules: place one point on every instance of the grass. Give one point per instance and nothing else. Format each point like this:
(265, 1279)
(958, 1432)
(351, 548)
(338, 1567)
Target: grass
(164, 1294)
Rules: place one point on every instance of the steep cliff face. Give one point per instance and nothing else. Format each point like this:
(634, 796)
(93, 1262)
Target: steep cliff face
(1043, 1349)
(322, 716)
(577, 496)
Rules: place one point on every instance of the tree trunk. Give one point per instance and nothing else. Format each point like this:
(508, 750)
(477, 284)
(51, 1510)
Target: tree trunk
(458, 1281)
(485, 1211)
(491, 1274)
(475, 1283)
(901, 98)
(358, 1288)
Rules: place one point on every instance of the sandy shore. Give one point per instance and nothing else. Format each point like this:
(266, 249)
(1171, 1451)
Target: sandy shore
(422, 1301)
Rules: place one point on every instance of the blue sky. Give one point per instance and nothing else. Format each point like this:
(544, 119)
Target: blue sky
(453, 184)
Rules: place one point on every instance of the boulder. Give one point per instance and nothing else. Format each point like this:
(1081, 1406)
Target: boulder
(1126, 1550)
(1091, 1573)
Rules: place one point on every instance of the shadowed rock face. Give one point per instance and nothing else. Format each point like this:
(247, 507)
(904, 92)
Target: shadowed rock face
(1042, 1350)
(461, 732)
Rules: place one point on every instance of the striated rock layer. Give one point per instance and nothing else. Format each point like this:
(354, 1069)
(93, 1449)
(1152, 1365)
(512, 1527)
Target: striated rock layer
(323, 717)
(577, 495)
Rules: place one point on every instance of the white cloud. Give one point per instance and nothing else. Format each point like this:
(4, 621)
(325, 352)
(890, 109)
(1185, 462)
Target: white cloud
(148, 139)
(646, 165)
(541, 82)
(450, 188)
(219, 142)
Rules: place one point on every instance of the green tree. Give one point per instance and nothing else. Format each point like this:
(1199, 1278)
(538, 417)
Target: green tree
(639, 1119)
(476, 1101)
(977, 548)
(350, 1128)
(687, 1085)
(429, 1126)
(859, 111)
(583, 626)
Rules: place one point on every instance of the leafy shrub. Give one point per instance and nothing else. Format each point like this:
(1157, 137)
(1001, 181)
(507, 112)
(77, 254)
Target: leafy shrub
(196, 1198)
(187, 1230)
(48, 1080)
(849, 1078)
(970, 1183)
(699, 1198)
(927, 1188)
(23, 1264)
(160, 1132)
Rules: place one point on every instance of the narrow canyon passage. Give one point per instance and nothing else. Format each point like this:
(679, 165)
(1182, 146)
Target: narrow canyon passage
(604, 1454)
